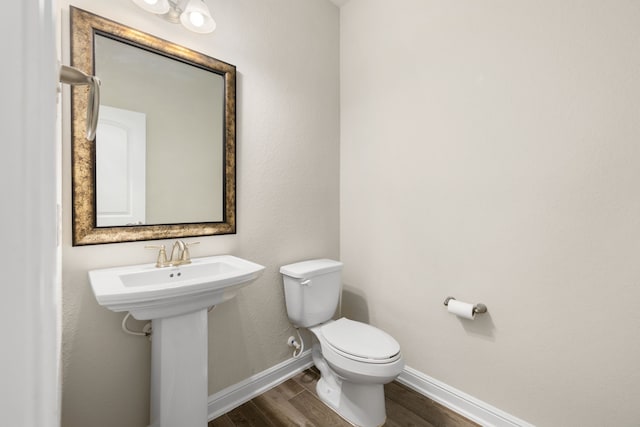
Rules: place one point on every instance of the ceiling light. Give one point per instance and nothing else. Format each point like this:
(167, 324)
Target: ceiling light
(197, 18)
(154, 6)
(194, 15)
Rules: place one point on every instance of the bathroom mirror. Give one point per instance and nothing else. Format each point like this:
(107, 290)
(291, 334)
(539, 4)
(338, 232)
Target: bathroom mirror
(163, 161)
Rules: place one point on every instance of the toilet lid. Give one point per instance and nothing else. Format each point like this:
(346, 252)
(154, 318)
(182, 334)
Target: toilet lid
(361, 340)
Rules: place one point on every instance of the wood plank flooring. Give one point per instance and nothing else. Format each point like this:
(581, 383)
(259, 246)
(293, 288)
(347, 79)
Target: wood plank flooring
(295, 403)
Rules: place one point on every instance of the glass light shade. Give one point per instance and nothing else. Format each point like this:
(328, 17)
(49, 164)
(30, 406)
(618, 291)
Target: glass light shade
(197, 18)
(154, 6)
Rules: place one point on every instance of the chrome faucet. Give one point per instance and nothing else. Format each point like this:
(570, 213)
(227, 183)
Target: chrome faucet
(183, 256)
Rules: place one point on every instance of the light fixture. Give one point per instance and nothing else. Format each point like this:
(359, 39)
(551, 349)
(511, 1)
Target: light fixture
(194, 15)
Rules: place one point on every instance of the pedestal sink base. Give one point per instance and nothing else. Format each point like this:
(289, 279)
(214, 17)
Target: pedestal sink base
(179, 389)
(176, 299)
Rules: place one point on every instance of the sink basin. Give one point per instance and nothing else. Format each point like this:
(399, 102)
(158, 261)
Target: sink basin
(148, 292)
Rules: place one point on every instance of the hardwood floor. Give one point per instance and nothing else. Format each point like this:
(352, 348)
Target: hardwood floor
(295, 403)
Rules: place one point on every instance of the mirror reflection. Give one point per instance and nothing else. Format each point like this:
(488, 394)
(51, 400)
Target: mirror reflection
(159, 151)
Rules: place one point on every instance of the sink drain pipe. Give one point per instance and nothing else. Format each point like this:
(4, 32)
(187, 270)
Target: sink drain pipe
(146, 329)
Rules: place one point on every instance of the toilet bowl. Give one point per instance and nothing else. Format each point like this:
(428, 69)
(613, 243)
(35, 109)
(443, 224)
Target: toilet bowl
(355, 359)
(358, 351)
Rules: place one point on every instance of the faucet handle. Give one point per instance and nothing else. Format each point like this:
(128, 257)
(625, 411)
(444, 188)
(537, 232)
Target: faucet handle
(162, 255)
(186, 256)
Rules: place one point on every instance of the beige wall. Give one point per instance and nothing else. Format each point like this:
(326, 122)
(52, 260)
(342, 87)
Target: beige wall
(286, 53)
(490, 151)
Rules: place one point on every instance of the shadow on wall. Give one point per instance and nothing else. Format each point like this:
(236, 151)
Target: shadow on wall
(482, 326)
(354, 305)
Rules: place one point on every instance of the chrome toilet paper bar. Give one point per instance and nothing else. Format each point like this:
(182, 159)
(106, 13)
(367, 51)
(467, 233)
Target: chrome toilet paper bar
(477, 308)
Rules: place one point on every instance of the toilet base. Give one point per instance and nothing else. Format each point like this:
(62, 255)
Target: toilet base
(360, 404)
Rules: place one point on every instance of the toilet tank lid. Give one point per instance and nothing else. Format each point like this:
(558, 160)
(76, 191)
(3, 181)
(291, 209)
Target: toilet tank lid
(314, 267)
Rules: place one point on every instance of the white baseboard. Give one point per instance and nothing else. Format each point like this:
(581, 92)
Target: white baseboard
(465, 405)
(237, 394)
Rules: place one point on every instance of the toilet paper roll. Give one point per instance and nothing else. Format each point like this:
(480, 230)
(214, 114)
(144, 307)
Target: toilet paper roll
(461, 309)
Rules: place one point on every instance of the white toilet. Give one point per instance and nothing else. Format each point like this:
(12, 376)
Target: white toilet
(355, 359)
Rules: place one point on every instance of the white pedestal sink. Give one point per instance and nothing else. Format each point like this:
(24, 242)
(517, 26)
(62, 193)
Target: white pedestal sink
(176, 299)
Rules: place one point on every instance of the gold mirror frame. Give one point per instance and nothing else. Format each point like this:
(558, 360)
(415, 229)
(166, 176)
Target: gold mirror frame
(84, 25)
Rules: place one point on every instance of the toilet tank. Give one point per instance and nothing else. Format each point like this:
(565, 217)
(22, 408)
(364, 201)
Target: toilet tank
(311, 290)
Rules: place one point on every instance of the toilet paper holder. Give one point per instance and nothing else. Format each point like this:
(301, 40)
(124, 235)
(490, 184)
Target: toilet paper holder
(477, 308)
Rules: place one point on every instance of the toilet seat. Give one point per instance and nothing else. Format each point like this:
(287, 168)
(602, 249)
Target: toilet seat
(360, 342)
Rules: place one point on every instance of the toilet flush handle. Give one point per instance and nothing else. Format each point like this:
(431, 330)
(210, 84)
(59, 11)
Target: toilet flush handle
(306, 282)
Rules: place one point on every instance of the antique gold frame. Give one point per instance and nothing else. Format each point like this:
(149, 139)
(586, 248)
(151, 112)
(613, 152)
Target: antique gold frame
(84, 25)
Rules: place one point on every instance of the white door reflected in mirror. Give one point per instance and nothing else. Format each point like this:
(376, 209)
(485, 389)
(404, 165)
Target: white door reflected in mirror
(120, 167)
